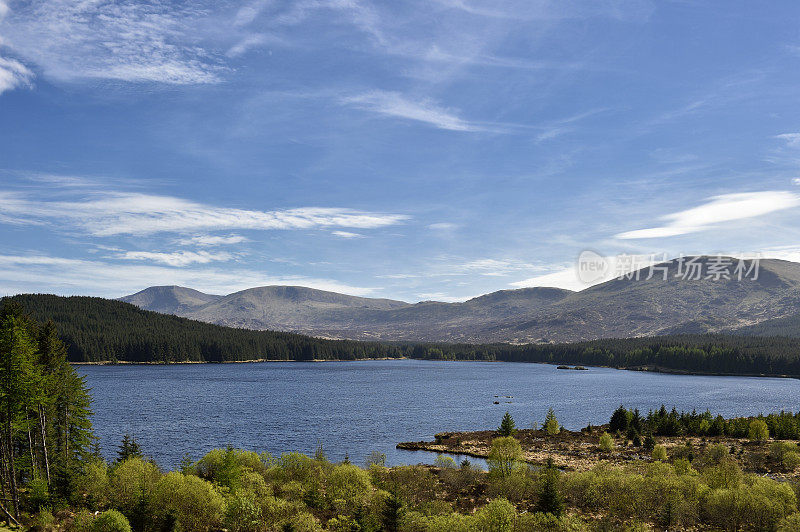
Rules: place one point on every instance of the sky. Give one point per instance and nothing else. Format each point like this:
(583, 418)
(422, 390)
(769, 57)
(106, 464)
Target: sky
(414, 150)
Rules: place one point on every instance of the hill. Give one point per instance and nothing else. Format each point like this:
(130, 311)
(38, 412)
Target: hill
(96, 329)
(620, 308)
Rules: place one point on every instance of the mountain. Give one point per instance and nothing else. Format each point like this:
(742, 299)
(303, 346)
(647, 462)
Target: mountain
(620, 308)
(169, 299)
(96, 329)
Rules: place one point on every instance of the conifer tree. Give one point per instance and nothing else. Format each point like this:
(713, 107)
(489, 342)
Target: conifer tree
(551, 423)
(550, 499)
(507, 426)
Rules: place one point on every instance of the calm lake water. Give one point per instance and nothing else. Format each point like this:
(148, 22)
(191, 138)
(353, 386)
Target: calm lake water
(359, 407)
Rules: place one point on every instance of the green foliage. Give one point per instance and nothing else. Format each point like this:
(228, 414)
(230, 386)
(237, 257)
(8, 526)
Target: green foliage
(606, 442)
(82, 522)
(550, 499)
(504, 456)
(130, 485)
(376, 458)
(551, 423)
(758, 430)
(659, 453)
(243, 514)
(111, 521)
(44, 413)
(128, 448)
(189, 501)
(347, 487)
(507, 426)
(497, 516)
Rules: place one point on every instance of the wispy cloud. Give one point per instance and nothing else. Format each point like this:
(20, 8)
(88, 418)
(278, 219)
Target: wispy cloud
(127, 40)
(44, 273)
(177, 258)
(347, 234)
(396, 105)
(212, 240)
(791, 139)
(120, 213)
(13, 74)
(724, 208)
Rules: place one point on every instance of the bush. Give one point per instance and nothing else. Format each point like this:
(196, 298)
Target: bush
(82, 522)
(791, 461)
(130, 486)
(43, 521)
(606, 442)
(111, 521)
(758, 430)
(302, 522)
(93, 483)
(188, 501)
(242, 514)
(504, 456)
(659, 453)
(790, 524)
(497, 516)
(347, 487)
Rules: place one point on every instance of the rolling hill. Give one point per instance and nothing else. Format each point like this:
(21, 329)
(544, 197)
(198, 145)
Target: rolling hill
(620, 308)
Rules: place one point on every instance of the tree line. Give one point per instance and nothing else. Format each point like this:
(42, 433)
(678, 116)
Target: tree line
(44, 413)
(96, 329)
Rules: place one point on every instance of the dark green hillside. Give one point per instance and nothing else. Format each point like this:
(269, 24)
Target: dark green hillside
(97, 329)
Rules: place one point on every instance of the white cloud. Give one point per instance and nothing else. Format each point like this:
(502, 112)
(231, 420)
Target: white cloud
(13, 74)
(791, 139)
(177, 258)
(443, 226)
(396, 105)
(347, 234)
(796, 181)
(724, 208)
(42, 273)
(212, 240)
(126, 40)
(118, 213)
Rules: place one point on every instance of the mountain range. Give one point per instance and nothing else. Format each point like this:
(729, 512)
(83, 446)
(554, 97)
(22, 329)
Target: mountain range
(635, 306)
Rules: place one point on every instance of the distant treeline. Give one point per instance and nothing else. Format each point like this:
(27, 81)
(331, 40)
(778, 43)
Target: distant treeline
(97, 329)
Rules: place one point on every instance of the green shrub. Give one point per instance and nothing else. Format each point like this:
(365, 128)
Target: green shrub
(37, 494)
(93, 483)
(791, 461)
(82, 522)
(758, 430)
(347, 487)
(189, 501)
(659, 453)
(504, 456)
(111, 521)
(444, 462)
(242, 514)
(790, 524)
(606, 442)
(130, 485)
(43, 521)
(302, 522)
(497, 516)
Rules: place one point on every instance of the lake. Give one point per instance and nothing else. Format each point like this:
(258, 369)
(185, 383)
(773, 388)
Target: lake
(364, 406)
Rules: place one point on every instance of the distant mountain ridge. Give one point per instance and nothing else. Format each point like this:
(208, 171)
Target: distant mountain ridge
(620, 308)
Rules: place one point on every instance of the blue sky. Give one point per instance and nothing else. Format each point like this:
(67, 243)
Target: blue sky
(437, 149)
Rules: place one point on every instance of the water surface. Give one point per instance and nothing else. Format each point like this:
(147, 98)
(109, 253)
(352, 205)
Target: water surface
(364, 406)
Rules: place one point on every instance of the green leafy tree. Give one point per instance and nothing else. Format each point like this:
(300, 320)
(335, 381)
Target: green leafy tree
(551, 423)
(659, 453)
(507, 426)
(758, 430)
(504, 455)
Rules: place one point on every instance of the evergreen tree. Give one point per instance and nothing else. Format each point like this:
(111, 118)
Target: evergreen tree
(551, 423)
(550, 499)
(128, 448)
(507, 426)
(392, 512)
(619, 420)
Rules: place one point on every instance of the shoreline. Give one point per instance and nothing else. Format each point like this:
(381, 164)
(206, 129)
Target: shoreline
(644, 369)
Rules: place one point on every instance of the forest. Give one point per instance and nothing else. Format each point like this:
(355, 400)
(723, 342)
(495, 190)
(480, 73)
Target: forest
(96, 329)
